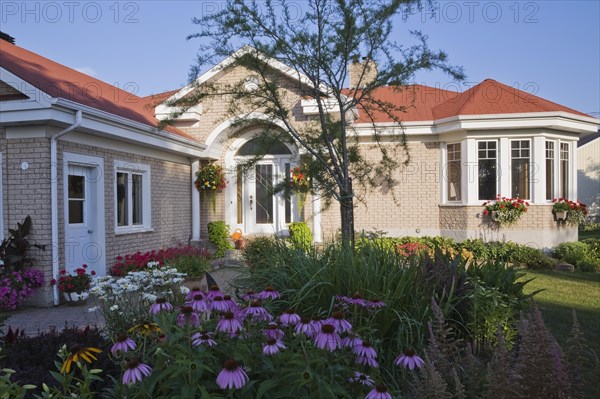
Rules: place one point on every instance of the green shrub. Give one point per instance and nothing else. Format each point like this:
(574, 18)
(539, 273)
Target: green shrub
(191, 265)
(589, 263)
(218, 234)
(300, 236)
(571, 252)
(532, 258)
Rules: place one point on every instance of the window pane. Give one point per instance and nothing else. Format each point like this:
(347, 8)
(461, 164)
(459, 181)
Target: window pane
(76, 211)
(520, 178)
(264, 194)
(122, 195)
(487, 166)
(549, 170)
(76, 186)
(263, 146)
(454, 172)
(136, 194)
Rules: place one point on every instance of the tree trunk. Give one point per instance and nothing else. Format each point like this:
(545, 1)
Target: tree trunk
(347, 213)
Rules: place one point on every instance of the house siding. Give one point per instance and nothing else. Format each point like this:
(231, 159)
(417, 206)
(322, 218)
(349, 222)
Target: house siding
(170, 202)
(588, 176)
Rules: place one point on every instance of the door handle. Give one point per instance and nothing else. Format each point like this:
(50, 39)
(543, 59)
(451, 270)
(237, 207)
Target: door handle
(90, 231)
(251, 202)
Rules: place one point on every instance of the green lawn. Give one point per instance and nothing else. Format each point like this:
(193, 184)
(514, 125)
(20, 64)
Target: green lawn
(589, 234)
(566, 291)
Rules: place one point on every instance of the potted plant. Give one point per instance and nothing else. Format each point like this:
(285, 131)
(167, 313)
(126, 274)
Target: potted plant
(505, 211)
(560, 209)
(75, 287)
(210, 178)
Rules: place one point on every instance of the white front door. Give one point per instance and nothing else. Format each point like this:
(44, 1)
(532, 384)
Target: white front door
(83, 213)
(259, 209)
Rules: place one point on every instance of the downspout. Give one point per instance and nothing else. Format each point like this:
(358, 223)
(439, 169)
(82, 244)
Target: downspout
(54, 196)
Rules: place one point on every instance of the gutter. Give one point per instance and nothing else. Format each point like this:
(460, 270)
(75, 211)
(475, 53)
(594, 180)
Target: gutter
(54, 196)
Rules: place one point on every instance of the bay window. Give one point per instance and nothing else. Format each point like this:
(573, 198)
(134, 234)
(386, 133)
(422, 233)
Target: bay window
(549, 170)
(487, 158)
(453, 176)
(564, 171)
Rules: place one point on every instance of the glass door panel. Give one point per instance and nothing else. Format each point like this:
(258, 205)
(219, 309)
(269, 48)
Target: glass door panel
(264, 194)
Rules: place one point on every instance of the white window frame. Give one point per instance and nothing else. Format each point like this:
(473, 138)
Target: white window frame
(131, 168)
(571, 171)
(510, 159)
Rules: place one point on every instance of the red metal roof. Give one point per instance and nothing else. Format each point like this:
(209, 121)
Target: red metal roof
(60, 81)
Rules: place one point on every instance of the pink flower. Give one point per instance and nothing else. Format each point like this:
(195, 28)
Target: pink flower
(203, 338)
(269, 293)
(379, 392)
(273, 346)
(232, 375)
(229, 323)
(135, 372)
(305, 326)
(409, 360)
(213, 291)
(198, 303)
(362, 379)
(161, 305)
(256, 311)
(289, 318)
(328, 338)
(123, 344)
(338, 320)
(218, 304)
(188, 316)
(273, 331)
(364, 349)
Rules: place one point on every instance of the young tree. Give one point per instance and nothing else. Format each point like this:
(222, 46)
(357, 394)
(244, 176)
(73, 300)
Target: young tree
(317, 46)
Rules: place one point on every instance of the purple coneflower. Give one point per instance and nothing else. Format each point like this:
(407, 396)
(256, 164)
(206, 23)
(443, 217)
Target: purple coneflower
(409, 359)
(218, 304)
(273, 331)
(351, 341)
(256, 311)
(273, 346)
(160, 305)
(355, 299)
(289, 318)
(188, 316)
(123, 344)
(362, 378)
(250, 295)
(193, 292)
(305, 326)
(338, 320)
(203, 338)
(379, 392)
(198, 303)
(232, 375)
(213, 291)
(376, 303)
(229, 323)
(328, 338)
(366, 361)
(269, 293)
(316, 322)
(135, 372)
(231, 305)
(365, 349)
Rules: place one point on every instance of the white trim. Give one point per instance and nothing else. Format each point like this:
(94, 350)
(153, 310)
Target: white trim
(145, 171)
(475, 188)
(70, 158)
(37, 98)
(470, 177)
(538, 162)
(504, 163)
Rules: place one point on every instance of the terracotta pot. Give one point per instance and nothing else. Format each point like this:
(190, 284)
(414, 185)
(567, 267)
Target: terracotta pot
(241, 243)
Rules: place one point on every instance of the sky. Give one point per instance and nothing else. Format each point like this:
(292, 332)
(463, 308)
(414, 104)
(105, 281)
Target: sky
(549, 48)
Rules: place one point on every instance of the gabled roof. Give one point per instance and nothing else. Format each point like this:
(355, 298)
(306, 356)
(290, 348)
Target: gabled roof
(59, 81)
(588, 139)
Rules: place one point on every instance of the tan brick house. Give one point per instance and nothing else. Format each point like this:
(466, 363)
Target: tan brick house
(86, 161)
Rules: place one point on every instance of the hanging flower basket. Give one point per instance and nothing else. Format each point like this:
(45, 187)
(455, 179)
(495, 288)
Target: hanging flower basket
(573, 212)
(505, 211)
(210, 179)
(300, 183)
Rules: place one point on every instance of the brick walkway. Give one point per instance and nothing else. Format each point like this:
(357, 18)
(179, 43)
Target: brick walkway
(35, 320)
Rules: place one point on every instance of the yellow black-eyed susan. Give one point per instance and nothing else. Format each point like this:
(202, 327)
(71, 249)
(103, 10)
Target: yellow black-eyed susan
(145, 328)
(78, 353)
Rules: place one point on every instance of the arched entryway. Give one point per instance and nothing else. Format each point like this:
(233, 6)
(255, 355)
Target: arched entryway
(252, 204)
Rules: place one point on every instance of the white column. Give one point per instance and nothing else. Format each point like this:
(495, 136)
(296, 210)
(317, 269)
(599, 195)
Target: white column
(316, 217)
(469, 174)
(538, 177)
(573, 171)
(195, 203)
(504, 158)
